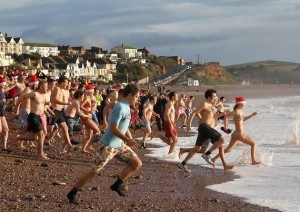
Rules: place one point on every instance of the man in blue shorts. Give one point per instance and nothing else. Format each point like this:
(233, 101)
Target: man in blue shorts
(116, 143)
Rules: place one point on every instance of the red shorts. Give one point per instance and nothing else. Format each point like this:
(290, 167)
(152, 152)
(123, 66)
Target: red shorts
(168, 132)
(84, 120)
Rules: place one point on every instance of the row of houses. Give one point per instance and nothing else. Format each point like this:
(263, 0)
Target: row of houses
(72, 61)
(73, 67)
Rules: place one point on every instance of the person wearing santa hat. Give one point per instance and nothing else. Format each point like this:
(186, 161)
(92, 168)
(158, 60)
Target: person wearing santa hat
(88, 103)
(238, 134)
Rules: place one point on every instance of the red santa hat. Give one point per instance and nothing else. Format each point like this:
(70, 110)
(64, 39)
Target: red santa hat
(2, 81)
(89, 88)
(74, 84)
(33, 80)
(240, 99)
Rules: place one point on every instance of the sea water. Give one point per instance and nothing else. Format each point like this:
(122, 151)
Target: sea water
(276, 182)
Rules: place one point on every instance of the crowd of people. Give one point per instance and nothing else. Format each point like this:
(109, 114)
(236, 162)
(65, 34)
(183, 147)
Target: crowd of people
(47, 108)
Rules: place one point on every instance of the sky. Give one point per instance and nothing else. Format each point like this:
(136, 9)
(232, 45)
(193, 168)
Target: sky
(225, 31)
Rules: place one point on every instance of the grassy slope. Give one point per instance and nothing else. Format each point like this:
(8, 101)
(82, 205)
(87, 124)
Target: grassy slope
(269, 72)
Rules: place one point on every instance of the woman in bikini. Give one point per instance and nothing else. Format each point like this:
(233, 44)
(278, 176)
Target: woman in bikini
(91, 126)
(238, 134)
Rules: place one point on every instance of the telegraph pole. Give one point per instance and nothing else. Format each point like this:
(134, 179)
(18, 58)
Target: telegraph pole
(198, 58)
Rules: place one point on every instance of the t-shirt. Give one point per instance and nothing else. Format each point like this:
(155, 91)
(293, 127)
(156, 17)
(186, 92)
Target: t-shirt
(120, 115)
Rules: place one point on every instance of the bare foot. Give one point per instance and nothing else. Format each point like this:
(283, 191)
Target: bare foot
(43, 157)
(91, 149)
(255, 162)
(180, 153)
(23, 148)
(214, 164)
(32, 145)
(228, 167)
(84, 151)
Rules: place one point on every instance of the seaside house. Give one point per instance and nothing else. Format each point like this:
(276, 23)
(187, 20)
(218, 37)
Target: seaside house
(89, 69)
(73, 63)
(5, 60)
(188, 82)
(113, 57)
(10, 45)
(3, 43)
(57, 66)
(125, 52)
(44, 49)
(179, 60)
(95, 52)
(79, 50)
(104, 68)
(65, 50)
(144, 53)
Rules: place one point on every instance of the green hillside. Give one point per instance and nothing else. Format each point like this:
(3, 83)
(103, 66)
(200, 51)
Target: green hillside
(267, 72)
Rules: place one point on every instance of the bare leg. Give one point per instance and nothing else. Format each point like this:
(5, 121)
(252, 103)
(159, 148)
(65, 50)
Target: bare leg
(230, 146)
(5, 131)
(132, 167)
(222, 156)
(192, 152)
(65, 131)
(164, 139)
(173, 144)
(40, 145)
(252, 144)
(86, 142)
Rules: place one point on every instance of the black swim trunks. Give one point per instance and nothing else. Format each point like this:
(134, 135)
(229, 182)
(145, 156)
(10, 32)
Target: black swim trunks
(58, 118)
(34, 123)
(207, 134)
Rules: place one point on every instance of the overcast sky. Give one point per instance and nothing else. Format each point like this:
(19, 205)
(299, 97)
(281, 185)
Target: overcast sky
(228, 31)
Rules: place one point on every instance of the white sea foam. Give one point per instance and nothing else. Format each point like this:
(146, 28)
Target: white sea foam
(274, 183)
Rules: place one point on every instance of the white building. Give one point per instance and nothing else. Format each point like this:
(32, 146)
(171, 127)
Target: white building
(45, 50)
(125, 51)
(192, 82)
(5, 60)
(10, 45)
(189, 82)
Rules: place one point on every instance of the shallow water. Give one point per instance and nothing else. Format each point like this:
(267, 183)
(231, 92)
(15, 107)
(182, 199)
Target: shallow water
(274, 183)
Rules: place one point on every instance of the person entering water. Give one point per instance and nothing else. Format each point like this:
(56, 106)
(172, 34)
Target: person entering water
(238, 134)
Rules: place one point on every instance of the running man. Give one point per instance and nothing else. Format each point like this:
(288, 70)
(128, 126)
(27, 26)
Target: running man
(206, 133)
(171, 134)
(37, 109)
(146, 119)
(116, 142)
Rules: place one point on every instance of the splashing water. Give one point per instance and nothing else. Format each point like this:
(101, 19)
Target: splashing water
(293, 138)
(264, 155)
